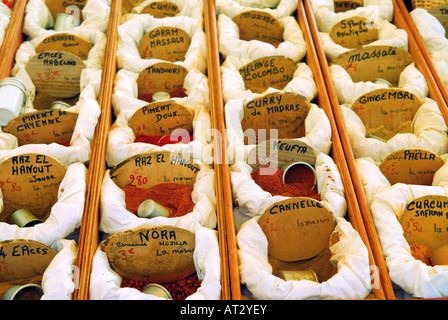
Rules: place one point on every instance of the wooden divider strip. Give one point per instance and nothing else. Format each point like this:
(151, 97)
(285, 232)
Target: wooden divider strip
(89, 233)
(231, 288)
(13, 38)
(366, 227)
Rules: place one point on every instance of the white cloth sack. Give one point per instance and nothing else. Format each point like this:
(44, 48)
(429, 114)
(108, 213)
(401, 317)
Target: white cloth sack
(233, 86)
(258, 3)
(230, 44)
(105, 283)
(115, 218)
(388, 35)
(125, 95)
(247, 194)
(5, 15)
(277, 8)
(326, 17)
(121, 145)
(410, 274)
(193, 8)
(347, 91)
(429, 132)
(38, 20)
(66, 213)
(317, 129)
(349, 254)
(132, 31)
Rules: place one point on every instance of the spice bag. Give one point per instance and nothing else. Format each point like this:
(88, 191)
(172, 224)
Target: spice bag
(125, 95)
(121, 143)
(429, 132)
(248, 195)
(347, 91)
(317, 128)
(388, 35)
(193, 9)
(230, 44)
(66, 213)
(277, 8)
(38, 19)
(326, 17)
(5, 15)
(233, 86)
(115, 218)
(132, 31)
(349, 254)
(105, 282)
(411, 275)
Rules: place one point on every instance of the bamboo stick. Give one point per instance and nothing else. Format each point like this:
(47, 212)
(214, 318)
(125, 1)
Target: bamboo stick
(369, 226)
(89, 233)
(226, 225)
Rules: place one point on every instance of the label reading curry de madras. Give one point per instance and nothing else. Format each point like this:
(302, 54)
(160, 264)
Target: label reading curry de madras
(30, 181)
(148, 169)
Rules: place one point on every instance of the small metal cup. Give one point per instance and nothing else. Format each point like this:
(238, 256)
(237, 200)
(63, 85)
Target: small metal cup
(24, 219)
(157, 290)
(59, 105)
(149, 209)
(65, 21)
(382, 81)
(298, 275)
(160, 95)
(12, 292)
(287, 169)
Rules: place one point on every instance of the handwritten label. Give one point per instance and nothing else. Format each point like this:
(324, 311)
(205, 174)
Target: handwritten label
(161, 253)
(22, 259)
(148, 169)
(266, 72)
(278, 152)
(57, 74)
(411, 166)
(291, 223)
(161, 118)
(30, 181)
(165, 43)
(162, 76)
(440, 12)
(354, 32)
(346, 5)
(259, 25)
(66, 42)
(371, 62)
(425, 221)
(161, 9)
(46, 126)
(285, 112)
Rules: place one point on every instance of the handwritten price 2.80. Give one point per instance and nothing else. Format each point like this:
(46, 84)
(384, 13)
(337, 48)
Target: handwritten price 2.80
(8, 185)
(137, 180)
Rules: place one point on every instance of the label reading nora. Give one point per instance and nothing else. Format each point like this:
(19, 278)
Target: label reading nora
(371, 62)
(30, 181)
(66, 42)
(165, 43)
(66, 6)
(57, 74)
(384, 112)
(346, 5)
(440, 12)
(284, 112)
(425, 221)
(148, 169)
(297, 228)
(411, 166)
(46, 126)
(161, 118)
(278, 152)
(22, 259)
(259, 25)
(162, 76)
(268, 72)
(161, 9)
(160, 253)
(354, 32)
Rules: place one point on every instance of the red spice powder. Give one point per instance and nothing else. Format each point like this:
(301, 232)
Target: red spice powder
(273, 183)
(178, 93)
(179, 289)
(176, 197)
(162, 140)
